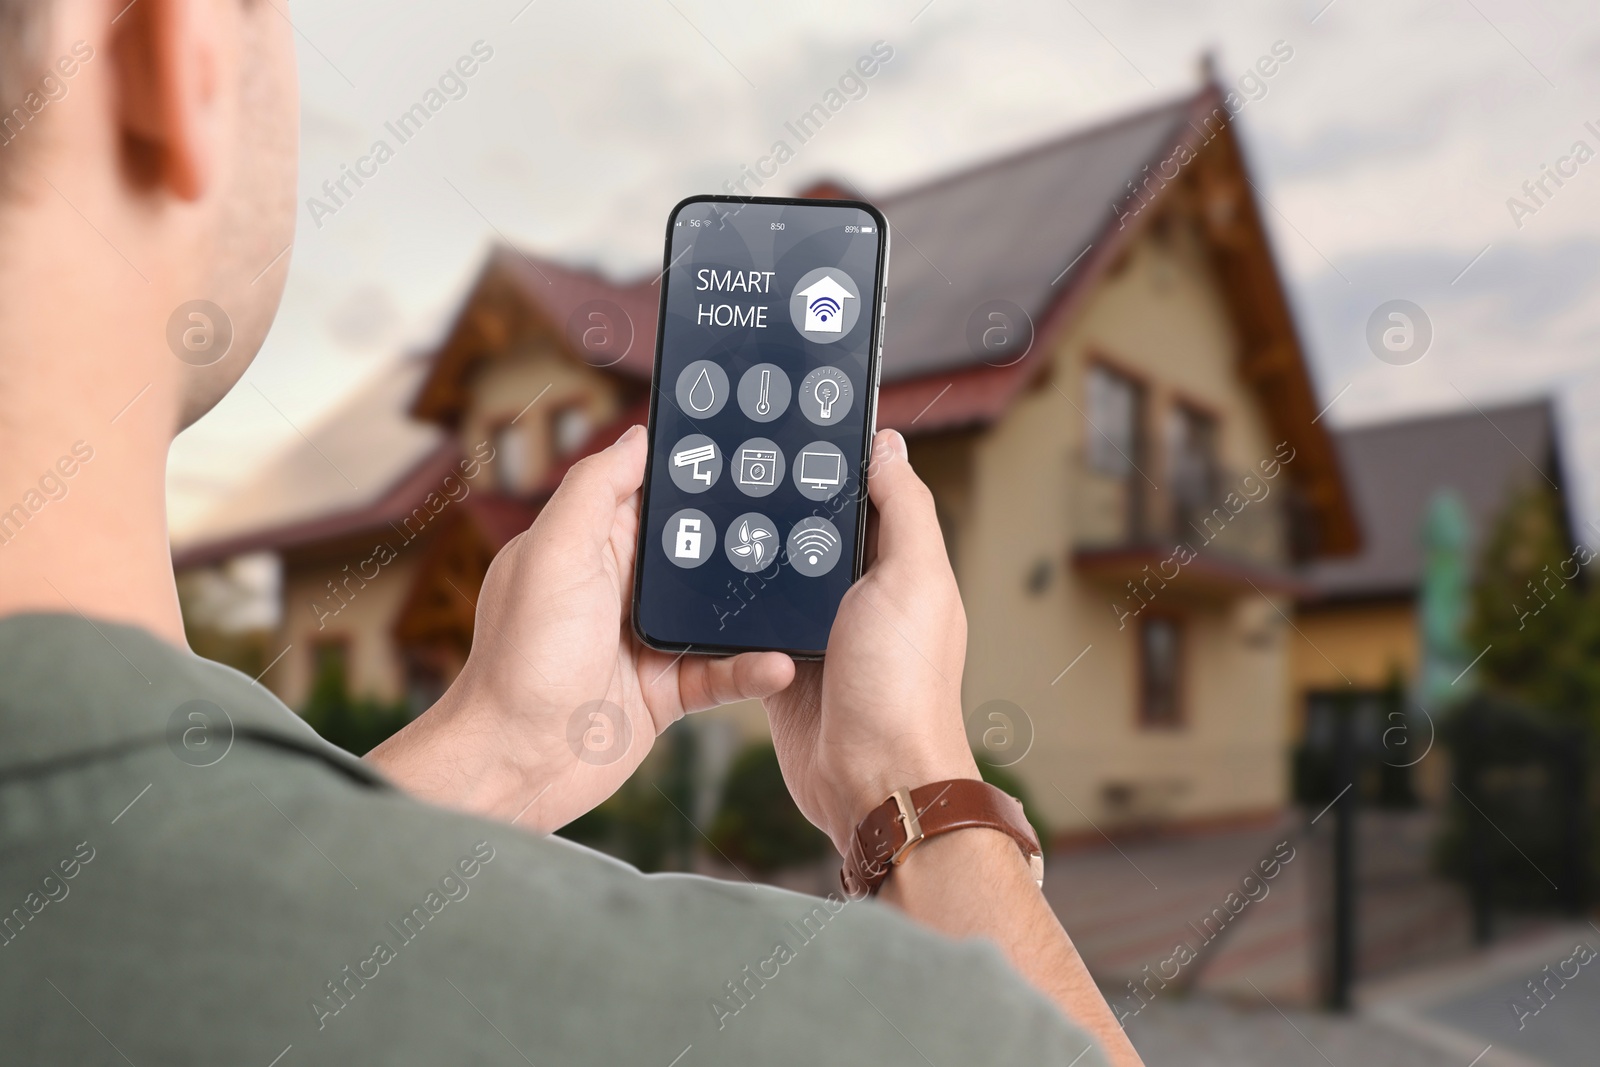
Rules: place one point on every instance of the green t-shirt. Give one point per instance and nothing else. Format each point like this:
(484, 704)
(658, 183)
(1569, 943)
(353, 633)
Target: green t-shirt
(176, 890)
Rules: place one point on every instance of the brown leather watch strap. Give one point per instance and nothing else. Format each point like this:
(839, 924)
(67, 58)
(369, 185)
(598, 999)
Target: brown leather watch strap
(897, 826)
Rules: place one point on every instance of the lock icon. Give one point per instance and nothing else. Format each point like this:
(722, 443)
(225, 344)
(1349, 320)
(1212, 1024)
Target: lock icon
(687, 545)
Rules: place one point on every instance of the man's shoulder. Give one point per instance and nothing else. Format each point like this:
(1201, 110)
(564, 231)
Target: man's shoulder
(278, 901)
(221, 889)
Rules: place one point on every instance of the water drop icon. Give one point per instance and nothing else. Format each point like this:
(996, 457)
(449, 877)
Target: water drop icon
(702, 394)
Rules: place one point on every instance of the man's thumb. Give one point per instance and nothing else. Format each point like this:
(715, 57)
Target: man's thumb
(907, 525)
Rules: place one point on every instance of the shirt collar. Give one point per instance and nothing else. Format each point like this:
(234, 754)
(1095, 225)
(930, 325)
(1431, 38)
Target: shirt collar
(73, 686)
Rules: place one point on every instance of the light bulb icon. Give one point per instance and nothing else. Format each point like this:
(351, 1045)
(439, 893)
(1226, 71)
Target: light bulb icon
(826, 395)
(827, 392)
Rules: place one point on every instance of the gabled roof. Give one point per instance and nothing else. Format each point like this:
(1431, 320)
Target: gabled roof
(1037, 228)
(1396, 468)
(1008, 229)
(520, 299)
(1041, 227)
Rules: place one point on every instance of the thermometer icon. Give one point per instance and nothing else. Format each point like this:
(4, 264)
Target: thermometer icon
(763, 404)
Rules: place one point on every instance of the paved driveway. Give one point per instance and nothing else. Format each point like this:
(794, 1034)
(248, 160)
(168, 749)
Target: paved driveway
(1202, 1032)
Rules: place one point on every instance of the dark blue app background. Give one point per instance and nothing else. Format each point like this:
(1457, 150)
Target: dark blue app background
(759, 424)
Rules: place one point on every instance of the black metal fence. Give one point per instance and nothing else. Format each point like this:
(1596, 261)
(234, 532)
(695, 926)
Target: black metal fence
(1436, 832)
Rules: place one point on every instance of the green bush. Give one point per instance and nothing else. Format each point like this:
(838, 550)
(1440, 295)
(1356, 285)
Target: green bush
(646, 822)
(632, 824)
(1006, 780)
(355, 725)
(757, 824)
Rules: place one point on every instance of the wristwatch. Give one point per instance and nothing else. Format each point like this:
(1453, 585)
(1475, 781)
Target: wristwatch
(907, 818)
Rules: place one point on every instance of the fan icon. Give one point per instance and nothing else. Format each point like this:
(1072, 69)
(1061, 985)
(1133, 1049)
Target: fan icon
(752, 544)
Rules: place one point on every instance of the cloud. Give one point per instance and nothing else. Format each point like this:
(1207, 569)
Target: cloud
(365, 318)
(1391, 141)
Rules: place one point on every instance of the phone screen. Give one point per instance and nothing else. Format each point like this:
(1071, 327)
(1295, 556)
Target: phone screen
(760, 423)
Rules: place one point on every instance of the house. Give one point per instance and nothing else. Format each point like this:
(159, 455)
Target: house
(1358, 623)
(1090, 351)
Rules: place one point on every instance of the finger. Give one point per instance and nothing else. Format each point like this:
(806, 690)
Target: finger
(598, 485)
(705, 683)
(908, 528)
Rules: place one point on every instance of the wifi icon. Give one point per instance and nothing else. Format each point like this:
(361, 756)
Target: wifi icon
(824, 308)
(813, 546)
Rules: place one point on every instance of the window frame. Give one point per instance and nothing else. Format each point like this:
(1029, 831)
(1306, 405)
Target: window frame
(1179, 718)
(1183, 408)
(1143, 394)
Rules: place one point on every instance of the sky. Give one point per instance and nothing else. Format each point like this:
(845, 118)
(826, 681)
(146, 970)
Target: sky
(1386, 150)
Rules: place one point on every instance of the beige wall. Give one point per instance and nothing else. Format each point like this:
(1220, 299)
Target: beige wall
(502, 388)
(1360, 644)
(365, 622)
(1006, 494)
(1161, 316)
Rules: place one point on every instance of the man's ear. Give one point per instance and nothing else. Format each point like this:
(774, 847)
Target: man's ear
(167, 55)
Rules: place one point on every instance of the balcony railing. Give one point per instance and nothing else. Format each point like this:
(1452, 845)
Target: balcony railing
(1228, 516)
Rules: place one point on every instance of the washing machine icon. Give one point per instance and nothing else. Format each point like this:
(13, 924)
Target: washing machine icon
(758, 467)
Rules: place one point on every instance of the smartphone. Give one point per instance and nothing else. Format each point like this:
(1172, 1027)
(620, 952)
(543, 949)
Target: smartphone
(762, 410)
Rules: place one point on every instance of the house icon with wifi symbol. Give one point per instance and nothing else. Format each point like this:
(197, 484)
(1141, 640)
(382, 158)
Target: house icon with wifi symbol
(825, 305)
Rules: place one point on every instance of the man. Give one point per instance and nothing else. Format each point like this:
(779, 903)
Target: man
(191, 876)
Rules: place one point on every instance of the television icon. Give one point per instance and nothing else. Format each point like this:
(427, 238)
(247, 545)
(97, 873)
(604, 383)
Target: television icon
(821, 470)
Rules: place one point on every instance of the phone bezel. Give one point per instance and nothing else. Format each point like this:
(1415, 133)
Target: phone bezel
(870, 425)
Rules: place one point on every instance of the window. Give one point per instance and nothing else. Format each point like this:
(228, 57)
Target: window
(1192, 456)
(569, 429)
(1160, 672)
(512, 459)
(1116, 415)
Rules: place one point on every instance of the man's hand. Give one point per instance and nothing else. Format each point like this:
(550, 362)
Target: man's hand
(552, 636)
(886, 711)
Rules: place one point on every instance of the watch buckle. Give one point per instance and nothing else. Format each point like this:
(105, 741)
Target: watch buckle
(913, 825)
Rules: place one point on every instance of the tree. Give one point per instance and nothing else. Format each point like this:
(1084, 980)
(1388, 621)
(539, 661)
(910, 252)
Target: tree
(1525, 745)
(1537, 611)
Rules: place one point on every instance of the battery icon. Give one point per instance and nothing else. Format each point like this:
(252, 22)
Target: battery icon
(866, 229)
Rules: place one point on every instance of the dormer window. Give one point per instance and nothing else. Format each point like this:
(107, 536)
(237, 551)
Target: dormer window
(513, 459)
